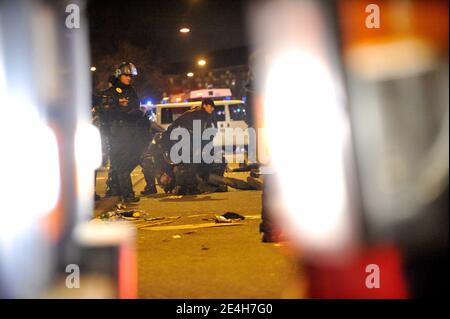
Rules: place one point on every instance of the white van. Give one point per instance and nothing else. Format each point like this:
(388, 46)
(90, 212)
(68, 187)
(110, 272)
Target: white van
(229, 114)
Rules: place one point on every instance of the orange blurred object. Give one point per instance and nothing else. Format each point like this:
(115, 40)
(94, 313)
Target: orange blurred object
(348, 280)
(422, 19)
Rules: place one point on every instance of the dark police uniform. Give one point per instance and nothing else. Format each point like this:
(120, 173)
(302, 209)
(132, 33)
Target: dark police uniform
(103, 122)
(185, 173)
(155, 163)
(129, 131)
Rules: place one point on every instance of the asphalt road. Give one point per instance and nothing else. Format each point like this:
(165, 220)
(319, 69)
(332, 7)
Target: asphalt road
(189, 256)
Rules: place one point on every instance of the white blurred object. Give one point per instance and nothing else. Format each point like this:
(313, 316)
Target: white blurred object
(309, 140)
(45, 94)
(88, 157)
(29, 168)
(401, 125)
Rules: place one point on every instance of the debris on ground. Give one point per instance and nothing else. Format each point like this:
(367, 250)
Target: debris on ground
(121, 206)
(228, 217)
(221, 219)
(120, 214)
(231, 215)
(176, 236)
(133, 214)
(140, 217)
(110, 216)
(174, 197)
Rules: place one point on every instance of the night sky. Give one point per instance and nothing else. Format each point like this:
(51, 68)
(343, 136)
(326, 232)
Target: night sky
(215, 25)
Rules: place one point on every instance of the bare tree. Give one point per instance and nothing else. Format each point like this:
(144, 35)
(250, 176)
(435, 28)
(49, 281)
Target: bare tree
(149, 83)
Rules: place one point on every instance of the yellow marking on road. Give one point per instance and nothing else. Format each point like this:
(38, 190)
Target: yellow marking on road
(258, 216)
(190, 226)
(253, 216)
(198, 215)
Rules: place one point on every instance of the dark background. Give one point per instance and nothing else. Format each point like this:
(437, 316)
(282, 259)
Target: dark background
(147, 34)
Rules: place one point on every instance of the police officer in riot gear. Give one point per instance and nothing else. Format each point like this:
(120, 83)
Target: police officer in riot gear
(207, 178)
(128, 129)
(186, 173)
(103, 122)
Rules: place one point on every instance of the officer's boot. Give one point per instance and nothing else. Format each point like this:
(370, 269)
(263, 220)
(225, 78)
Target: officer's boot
(149, 177)
(126, 188)
(149, 190)
(112, 184)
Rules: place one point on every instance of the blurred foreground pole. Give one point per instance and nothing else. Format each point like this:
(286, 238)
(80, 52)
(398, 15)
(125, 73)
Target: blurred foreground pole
(357, 161)
(302, 110)
(49, 148)
(398, 84)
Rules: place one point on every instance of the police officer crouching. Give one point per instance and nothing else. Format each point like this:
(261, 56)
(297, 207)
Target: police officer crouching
(128, 127)
(186, 173)
(155, 165)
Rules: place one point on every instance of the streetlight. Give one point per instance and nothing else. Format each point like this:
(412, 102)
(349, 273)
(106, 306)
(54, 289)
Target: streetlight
(93, 68)
(201, 62)
(190, 74)
(185, 30)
